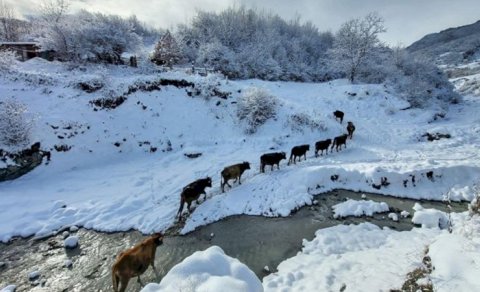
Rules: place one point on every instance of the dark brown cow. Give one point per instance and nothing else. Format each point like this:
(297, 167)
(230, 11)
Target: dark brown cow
(192, 192)
(350, 129)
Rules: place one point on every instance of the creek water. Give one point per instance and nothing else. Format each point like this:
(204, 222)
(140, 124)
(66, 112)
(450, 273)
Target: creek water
(256, 241)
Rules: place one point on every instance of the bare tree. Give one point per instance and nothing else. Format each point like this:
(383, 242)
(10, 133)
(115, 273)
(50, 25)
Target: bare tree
(356, 41)
(54, 10)
(9, 29)
(53, 13)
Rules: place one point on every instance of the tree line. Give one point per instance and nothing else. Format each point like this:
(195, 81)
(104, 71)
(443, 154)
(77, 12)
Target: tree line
(240, 43)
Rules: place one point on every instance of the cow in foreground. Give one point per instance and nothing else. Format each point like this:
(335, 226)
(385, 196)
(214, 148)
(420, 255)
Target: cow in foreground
(233, 172)
(298, 151)
(271, 159)
(350, 129)
(339, 141)
(192, 192)
(322, 145)
(135, 261)
(338, 115)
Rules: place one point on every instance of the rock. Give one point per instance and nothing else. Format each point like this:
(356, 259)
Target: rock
(68, 264)
(73, 228)
(404, 214)
(3, 265)
(71, 242)
(58, 205)
(266, 269)
(393, 216)
(65, 234)
(9, 288)
(33, 275)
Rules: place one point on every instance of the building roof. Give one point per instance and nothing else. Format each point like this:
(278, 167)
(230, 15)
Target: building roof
(19, 43)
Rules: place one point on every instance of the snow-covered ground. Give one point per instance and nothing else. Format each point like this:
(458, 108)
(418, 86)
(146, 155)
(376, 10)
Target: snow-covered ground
(108, 187)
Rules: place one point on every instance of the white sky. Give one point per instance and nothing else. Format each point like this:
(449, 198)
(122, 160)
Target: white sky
(406, 20)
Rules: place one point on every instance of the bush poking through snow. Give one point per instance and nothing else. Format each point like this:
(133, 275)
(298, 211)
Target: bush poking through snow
(256, 106)
(7, 60)
(300, 121)
(15, 126)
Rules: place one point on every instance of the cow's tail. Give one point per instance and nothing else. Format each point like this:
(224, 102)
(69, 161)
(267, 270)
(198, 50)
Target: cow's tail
(182, 202)
(221, 182)
(114, 280)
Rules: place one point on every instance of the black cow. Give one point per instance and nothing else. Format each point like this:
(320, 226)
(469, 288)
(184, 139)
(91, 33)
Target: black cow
(298, 151)
(271, 159)
(339, 141)
(338, 115)
(322, 145)
(192, 192)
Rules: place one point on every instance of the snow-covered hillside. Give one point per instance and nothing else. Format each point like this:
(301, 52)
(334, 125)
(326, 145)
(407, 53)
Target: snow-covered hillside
(112, 179)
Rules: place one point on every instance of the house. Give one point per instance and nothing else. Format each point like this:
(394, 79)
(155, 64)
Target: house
(26, 50)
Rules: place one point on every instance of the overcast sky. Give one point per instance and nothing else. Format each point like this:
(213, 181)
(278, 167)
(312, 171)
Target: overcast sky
(406, 20)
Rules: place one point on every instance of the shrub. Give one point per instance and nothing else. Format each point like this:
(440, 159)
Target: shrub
(15, 125)
(255, 107)
(7, 60)
(300, 121)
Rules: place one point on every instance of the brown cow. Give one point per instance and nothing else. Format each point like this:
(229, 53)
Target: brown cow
(233, 172)
(135, 261)
(350, 129)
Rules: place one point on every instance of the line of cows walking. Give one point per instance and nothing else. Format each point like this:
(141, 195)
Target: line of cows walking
(136, 260)
(193, 190)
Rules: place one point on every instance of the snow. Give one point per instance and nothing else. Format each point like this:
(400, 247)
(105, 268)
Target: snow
(100, 186)
(348, 255)
(358, 208)
(208, 270)
(456, 257)
(404, 214)
(71, 242)
(429, 218)
(109, 188)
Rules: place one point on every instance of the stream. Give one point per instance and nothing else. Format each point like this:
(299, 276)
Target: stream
(255, 240)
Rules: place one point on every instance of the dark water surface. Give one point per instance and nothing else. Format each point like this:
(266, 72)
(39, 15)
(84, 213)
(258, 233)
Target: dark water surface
(256, 241)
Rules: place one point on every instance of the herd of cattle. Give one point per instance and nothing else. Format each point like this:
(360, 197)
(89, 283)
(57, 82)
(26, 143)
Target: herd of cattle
(136, 260)
(194, 190)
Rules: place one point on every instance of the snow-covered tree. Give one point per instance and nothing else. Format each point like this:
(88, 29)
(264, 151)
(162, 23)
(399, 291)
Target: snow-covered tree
(251, 44)
(87, 36)
(15, 126)
(167, 51)
(355, 42)
(256, 106)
